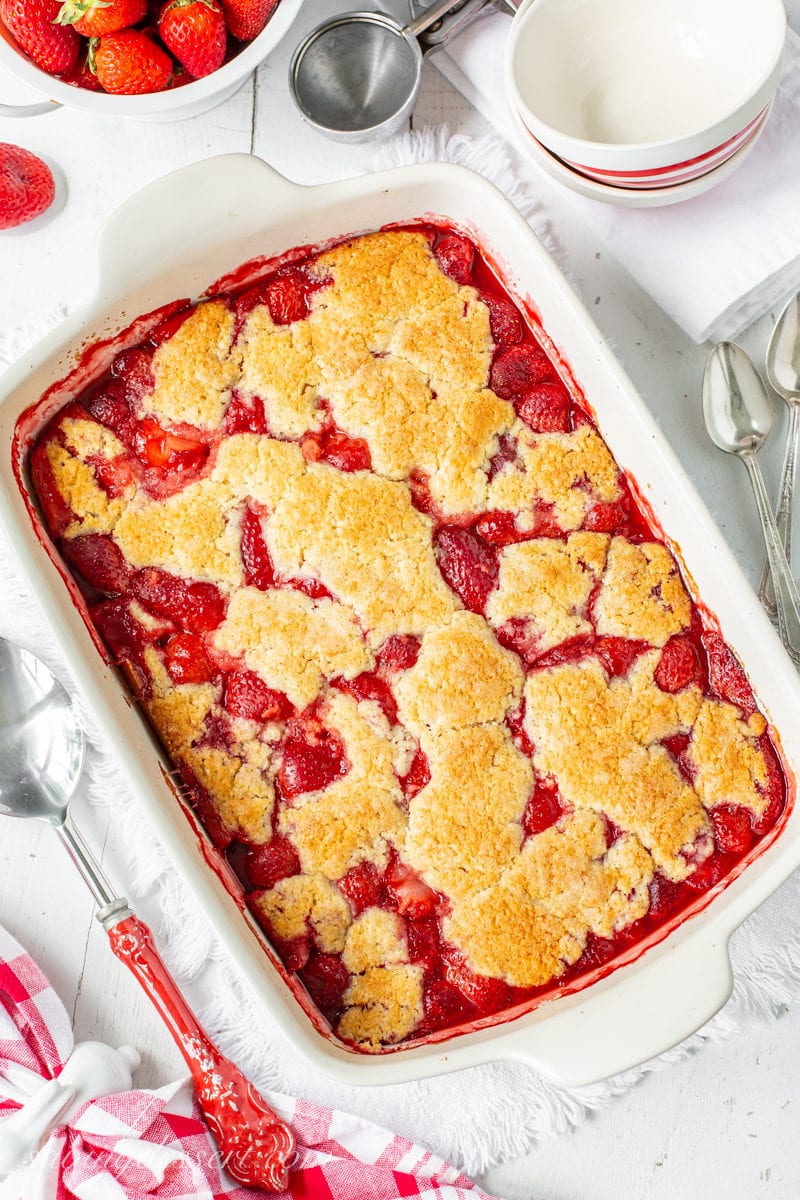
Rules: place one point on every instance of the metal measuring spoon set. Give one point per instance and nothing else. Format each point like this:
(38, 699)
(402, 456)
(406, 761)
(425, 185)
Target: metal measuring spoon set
(355, 78)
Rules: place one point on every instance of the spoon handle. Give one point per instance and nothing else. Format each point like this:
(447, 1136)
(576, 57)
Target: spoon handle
(255, 1145)
(783, 516)
(786, 597)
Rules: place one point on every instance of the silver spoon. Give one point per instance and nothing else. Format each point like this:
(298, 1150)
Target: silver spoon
(738, 417)
(783, 372)
(42, 751)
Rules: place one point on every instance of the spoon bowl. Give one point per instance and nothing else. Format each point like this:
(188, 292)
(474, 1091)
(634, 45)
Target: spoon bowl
(783, 353)
(736, 406)
(42, 745)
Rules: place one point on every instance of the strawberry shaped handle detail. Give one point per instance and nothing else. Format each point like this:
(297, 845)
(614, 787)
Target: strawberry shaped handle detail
(256, 1146)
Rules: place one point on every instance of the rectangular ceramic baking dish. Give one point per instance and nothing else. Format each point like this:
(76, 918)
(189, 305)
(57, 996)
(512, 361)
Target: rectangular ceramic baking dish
(174, 239)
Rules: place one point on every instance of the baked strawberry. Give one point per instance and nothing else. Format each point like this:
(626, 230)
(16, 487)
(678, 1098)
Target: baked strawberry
(665, 896)
(518, 369)
(423, 943)
(733, 832)
(135, 368)
(604, 518)
(398, 653)
(187, 661)
(313, 757)
(26, 186)
(545, 407)
(52, 47)
(99, 560)
(444, 1005)
(258, 569)
(326, 978)
(199, 607)
(454, 255)
(93, 18)
(266, 865)
(247, 696)
(245, 416)
(419, 775)
(543, 809)
(726, 675)
(246, 18)
(286, 298)
(678, 666)
(505, 321)
(194, 30)
(362, 886)
(485, 993)
(343, 452)
(129, 63)
(468, 565)
(372, 687)
(410, 893)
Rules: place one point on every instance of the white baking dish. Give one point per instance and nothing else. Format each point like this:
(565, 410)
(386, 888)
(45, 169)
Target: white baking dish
(162, 245)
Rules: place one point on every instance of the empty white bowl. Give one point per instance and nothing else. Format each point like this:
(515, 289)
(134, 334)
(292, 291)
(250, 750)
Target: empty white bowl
(644, 92)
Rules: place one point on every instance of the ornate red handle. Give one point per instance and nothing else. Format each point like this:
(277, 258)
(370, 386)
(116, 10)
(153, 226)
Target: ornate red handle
(255, 1145)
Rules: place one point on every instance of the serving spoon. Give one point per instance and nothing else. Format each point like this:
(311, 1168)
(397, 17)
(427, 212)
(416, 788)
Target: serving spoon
(738, 417)
(783, 372)
(42, 752)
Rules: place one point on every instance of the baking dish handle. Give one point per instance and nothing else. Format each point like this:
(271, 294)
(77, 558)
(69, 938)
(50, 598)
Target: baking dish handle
(167, 220)
(632, 1017)
(29, 110)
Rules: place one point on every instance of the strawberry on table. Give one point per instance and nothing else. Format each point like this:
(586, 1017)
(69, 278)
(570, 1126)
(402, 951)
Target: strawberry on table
(26, 186)
(246, 18)
(130, 63)
(93, 18)
(194, 30)
(52, 47)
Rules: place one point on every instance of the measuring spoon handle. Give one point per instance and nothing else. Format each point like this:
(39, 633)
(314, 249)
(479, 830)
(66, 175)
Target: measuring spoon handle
(786, 596)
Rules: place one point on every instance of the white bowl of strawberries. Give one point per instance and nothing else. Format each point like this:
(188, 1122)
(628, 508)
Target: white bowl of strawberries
(149, 59)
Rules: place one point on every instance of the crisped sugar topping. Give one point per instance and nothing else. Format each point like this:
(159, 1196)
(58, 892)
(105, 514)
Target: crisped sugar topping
(548, 583)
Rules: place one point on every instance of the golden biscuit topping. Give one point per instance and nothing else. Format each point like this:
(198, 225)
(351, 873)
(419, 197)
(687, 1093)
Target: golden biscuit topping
(642, 594)
(195, 369)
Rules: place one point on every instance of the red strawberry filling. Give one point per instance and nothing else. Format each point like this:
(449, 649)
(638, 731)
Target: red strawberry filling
(468, 566)
(258, 569)
(545, 408)
(312, 758)
(199, 607)
(246, 695)
(454, 255)
(186, 659)
(266, 865)
(518, 369)
(99, 560)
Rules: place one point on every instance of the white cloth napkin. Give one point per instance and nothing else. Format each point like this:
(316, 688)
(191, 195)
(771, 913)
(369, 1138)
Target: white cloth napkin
(714, 263)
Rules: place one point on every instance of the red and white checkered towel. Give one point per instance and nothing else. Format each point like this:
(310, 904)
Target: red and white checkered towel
(156, 1143)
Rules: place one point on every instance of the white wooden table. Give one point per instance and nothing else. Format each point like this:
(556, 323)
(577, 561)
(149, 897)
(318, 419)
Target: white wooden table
(722, 1123)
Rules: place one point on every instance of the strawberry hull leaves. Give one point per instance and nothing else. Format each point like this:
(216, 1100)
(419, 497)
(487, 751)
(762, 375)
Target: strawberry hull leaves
(93, 18)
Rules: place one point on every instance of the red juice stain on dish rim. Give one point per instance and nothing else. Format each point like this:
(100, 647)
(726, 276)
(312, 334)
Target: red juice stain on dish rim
(489, 274)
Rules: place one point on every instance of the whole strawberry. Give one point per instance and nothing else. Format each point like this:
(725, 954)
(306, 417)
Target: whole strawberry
(93, 18)
(129, 63)
(26, 186)
(52, 47)
(194, 30)
(246, 18)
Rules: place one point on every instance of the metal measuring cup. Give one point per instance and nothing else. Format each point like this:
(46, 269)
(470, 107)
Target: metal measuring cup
(355, 78)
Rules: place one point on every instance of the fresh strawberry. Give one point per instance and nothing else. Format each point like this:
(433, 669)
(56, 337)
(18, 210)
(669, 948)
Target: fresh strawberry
(265, 865)
(199, 607)
(454, 255)
(326, 978)
(545, 407)
(194, 30)
(678, 666)
(504, 320)
(187, 661)
(93, 18)
(468, 565)
(410, 893)
(258, 569)
(518, 369)
(733, 832)
(129, 63)
(246, 18)
(26, 186)
(362, 886)
(99, 560)
(246, 695)
(52, 47)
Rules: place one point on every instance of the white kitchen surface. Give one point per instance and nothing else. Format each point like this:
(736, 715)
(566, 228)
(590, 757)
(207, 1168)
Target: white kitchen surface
(719, 1124)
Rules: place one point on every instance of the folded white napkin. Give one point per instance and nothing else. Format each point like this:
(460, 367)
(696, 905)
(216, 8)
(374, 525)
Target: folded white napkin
(714, 263)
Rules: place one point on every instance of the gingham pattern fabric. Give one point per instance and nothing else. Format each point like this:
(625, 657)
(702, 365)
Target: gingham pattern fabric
(156, 1144)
